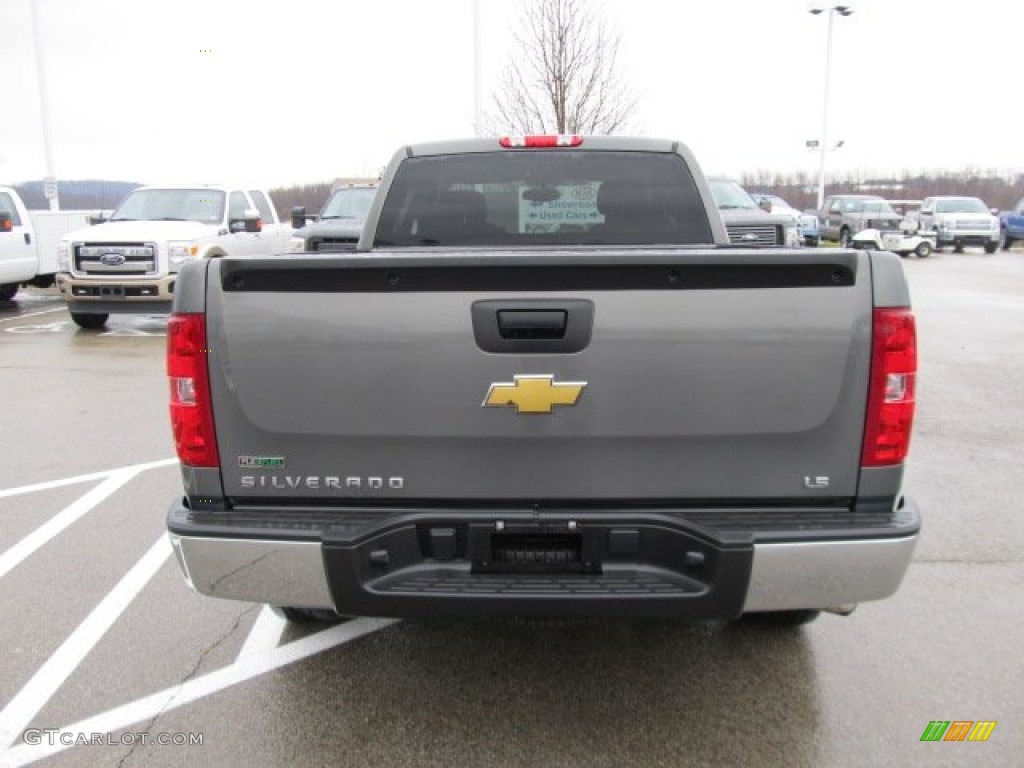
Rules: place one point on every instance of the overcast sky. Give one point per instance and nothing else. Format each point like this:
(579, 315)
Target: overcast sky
(278, 92)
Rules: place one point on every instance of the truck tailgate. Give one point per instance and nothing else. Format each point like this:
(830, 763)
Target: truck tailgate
(703, 375)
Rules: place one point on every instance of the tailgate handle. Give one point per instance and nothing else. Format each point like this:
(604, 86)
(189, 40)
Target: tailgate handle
(532, 323)
(532, 326)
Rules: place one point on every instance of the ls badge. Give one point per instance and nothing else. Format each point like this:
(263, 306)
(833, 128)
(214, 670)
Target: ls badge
(534, 394)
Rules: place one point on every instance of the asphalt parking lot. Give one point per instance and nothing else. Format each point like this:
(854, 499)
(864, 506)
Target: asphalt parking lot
(107, 653)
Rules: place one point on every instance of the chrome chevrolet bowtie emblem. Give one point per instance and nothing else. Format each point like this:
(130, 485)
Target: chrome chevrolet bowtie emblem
(533, 394)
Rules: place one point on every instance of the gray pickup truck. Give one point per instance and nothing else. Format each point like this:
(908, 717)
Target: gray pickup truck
(545, 384)
(339, 224)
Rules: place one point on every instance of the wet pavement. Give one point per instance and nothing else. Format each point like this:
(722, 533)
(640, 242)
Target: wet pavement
(103, 640)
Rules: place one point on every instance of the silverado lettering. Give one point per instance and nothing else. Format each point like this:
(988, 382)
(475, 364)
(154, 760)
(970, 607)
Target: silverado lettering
(336, 482)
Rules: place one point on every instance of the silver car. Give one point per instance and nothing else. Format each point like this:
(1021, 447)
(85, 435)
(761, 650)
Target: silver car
(843, 216)
(807, 223)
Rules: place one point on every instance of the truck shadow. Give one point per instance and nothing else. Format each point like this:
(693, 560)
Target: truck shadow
(587, 693)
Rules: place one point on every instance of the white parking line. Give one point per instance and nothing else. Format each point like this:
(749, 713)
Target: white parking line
(32, 314)
(265, 634)
(17, 715)
(176, 696)
(63, 519)
(259, 654)
(5, 492)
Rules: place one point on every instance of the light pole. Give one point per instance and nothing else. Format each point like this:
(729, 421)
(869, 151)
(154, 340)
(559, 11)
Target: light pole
(50, 184)
(842, 10)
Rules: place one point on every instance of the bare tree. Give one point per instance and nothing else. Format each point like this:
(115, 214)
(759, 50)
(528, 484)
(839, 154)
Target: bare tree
(562, 79)
(310, 196)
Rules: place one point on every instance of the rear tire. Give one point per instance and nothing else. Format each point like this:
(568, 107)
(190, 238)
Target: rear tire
(306, 615)
(794, 618)
(1005, 241)
(8, 291)
(90, 321)
(991, 247)
(923, 250)
(958, 247)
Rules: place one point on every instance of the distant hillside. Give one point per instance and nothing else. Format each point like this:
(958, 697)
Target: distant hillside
(99, 194)
(77, 195)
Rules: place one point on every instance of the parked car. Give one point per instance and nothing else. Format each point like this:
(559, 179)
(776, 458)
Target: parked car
(843, 216)
(807, 224)
(746, 222)
(1011, 225)
(960, 221)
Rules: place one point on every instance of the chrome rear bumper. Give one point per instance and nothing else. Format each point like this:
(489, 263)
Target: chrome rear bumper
(783, 575)
(826, 574)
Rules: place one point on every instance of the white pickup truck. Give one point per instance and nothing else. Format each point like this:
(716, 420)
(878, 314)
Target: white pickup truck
(28, 242)
(130, 263)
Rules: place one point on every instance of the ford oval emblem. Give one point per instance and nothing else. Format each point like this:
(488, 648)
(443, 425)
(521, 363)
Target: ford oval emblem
(112, 259)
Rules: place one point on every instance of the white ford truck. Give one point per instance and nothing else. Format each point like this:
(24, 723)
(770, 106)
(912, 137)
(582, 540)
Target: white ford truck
(130, 263)
(28, 242)
(960, 221)
(545, 383)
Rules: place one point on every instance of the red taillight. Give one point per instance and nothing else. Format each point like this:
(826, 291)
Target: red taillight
(538, 142)
(891, 396)
(191, 410)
